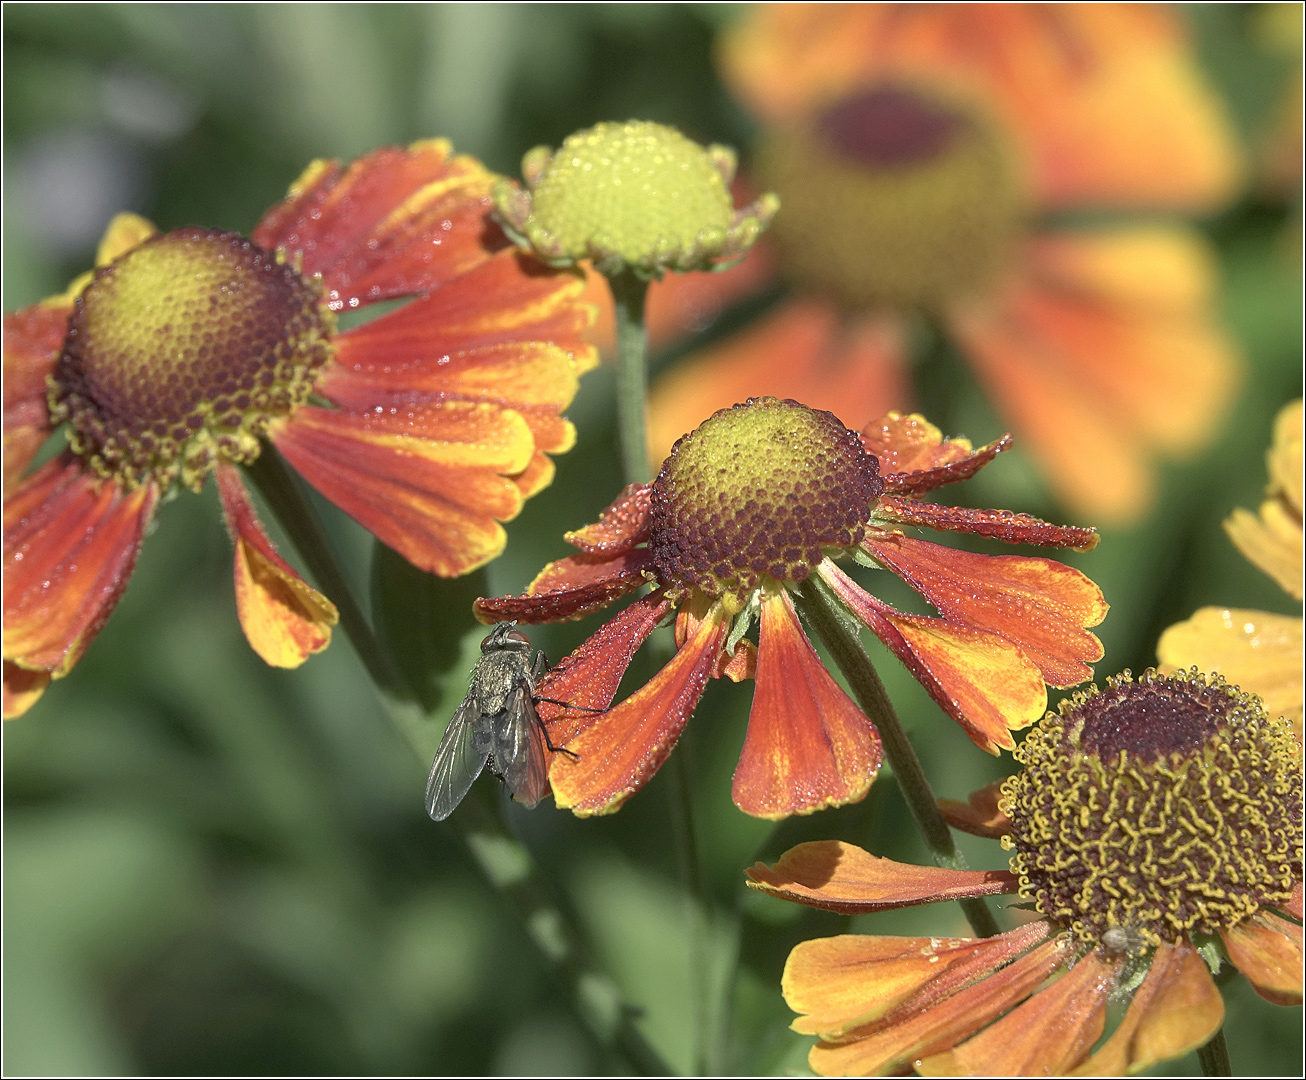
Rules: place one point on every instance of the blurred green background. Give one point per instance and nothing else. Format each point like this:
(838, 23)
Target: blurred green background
(214, 867)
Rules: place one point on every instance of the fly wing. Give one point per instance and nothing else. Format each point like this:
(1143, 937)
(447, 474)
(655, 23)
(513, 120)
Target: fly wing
(519, 749)
(458, 761)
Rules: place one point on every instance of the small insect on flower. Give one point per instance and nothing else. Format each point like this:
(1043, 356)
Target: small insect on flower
(496, 725)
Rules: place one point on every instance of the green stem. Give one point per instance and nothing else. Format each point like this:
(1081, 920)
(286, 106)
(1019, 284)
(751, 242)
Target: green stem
(506, 863)
(1214, 1056)
(824, 614)
(284, 493)
(628, 292)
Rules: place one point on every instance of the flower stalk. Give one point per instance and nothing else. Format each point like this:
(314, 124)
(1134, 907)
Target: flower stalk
(821, 611)
(1214, 1056)
(628, 294)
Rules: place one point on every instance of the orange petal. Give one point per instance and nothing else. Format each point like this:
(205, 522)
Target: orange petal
(284, 618)
(803, 350)
(1175, 1009)
(981, 816)
(1092, 459)
(429, 481)
(1105, 102)
(910, 443)
(1046, 1035)
(570, 588)
(1270, 541)
(846, 982)
(589, 676)
(71, 542)
(895, 1042)
(622, 525)
(808, 746)
(33, 339)
(984, 682)
(22, 689)
(626, 745)
(1254, 650)
(840, 877)
(997, 524)
(397, 222)
(1295, 905)
(1268, 951)
(1040, 605)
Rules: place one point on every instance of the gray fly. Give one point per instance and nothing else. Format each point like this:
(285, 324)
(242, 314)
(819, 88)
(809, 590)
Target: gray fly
(496, 725)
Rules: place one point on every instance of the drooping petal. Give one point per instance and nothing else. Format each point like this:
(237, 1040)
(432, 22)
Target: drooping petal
(22, 689)
(33, 339)
(589, 676)
(71, 541)
(913, 1033)
(429, 480)
(808, 746)
(840, 877)
(841, 983)
(1284, 459)
(997, 524)
(916, 458)
(1042, 606)
(1268, 951)
(627, 745)
(1254, 650)
(984, 682)
(1105, 102)
(802, 351)
(397, 222)
(285, 619)
(1271, 541)
(570, 588)
(622, 525)
(1175, 1009)
(736, 666)
(981, 815)
(1044, 1036)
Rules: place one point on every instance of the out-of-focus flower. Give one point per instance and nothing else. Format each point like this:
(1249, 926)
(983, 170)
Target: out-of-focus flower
(1260, 651)
(758, 499)
(183, 351)
(1149, 818)
(918, 151)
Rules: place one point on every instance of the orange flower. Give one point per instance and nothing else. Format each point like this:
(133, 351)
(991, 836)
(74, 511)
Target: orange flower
(918, 151)
(1258, 650)
(751, 504)
(182, 352)
(1147, 818)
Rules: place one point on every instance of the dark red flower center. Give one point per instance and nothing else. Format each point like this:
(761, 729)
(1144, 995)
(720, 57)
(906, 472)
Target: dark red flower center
(181, 351)
(760, 489)
(894, 196)
(1155, 809)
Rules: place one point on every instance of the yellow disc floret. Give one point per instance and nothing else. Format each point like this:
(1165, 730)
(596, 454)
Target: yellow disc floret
(760, 489)
(632, 195)
(1156, 809)
(181, 351)
(893, 197)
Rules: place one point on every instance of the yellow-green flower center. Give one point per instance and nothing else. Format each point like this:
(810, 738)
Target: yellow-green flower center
(180, 352)
(758, 490)
(1156, 809)
(893, 197)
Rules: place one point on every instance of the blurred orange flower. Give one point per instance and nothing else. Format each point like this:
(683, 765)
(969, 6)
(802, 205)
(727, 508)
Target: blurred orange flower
(1257, 650)
(182, 352)
(920, 152)
(1148, 818)
(755, 501)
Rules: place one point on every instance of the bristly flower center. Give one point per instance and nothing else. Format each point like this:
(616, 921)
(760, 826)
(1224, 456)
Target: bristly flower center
(1157, 809)
(180, 352)
(759, 490)
(893, 197)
